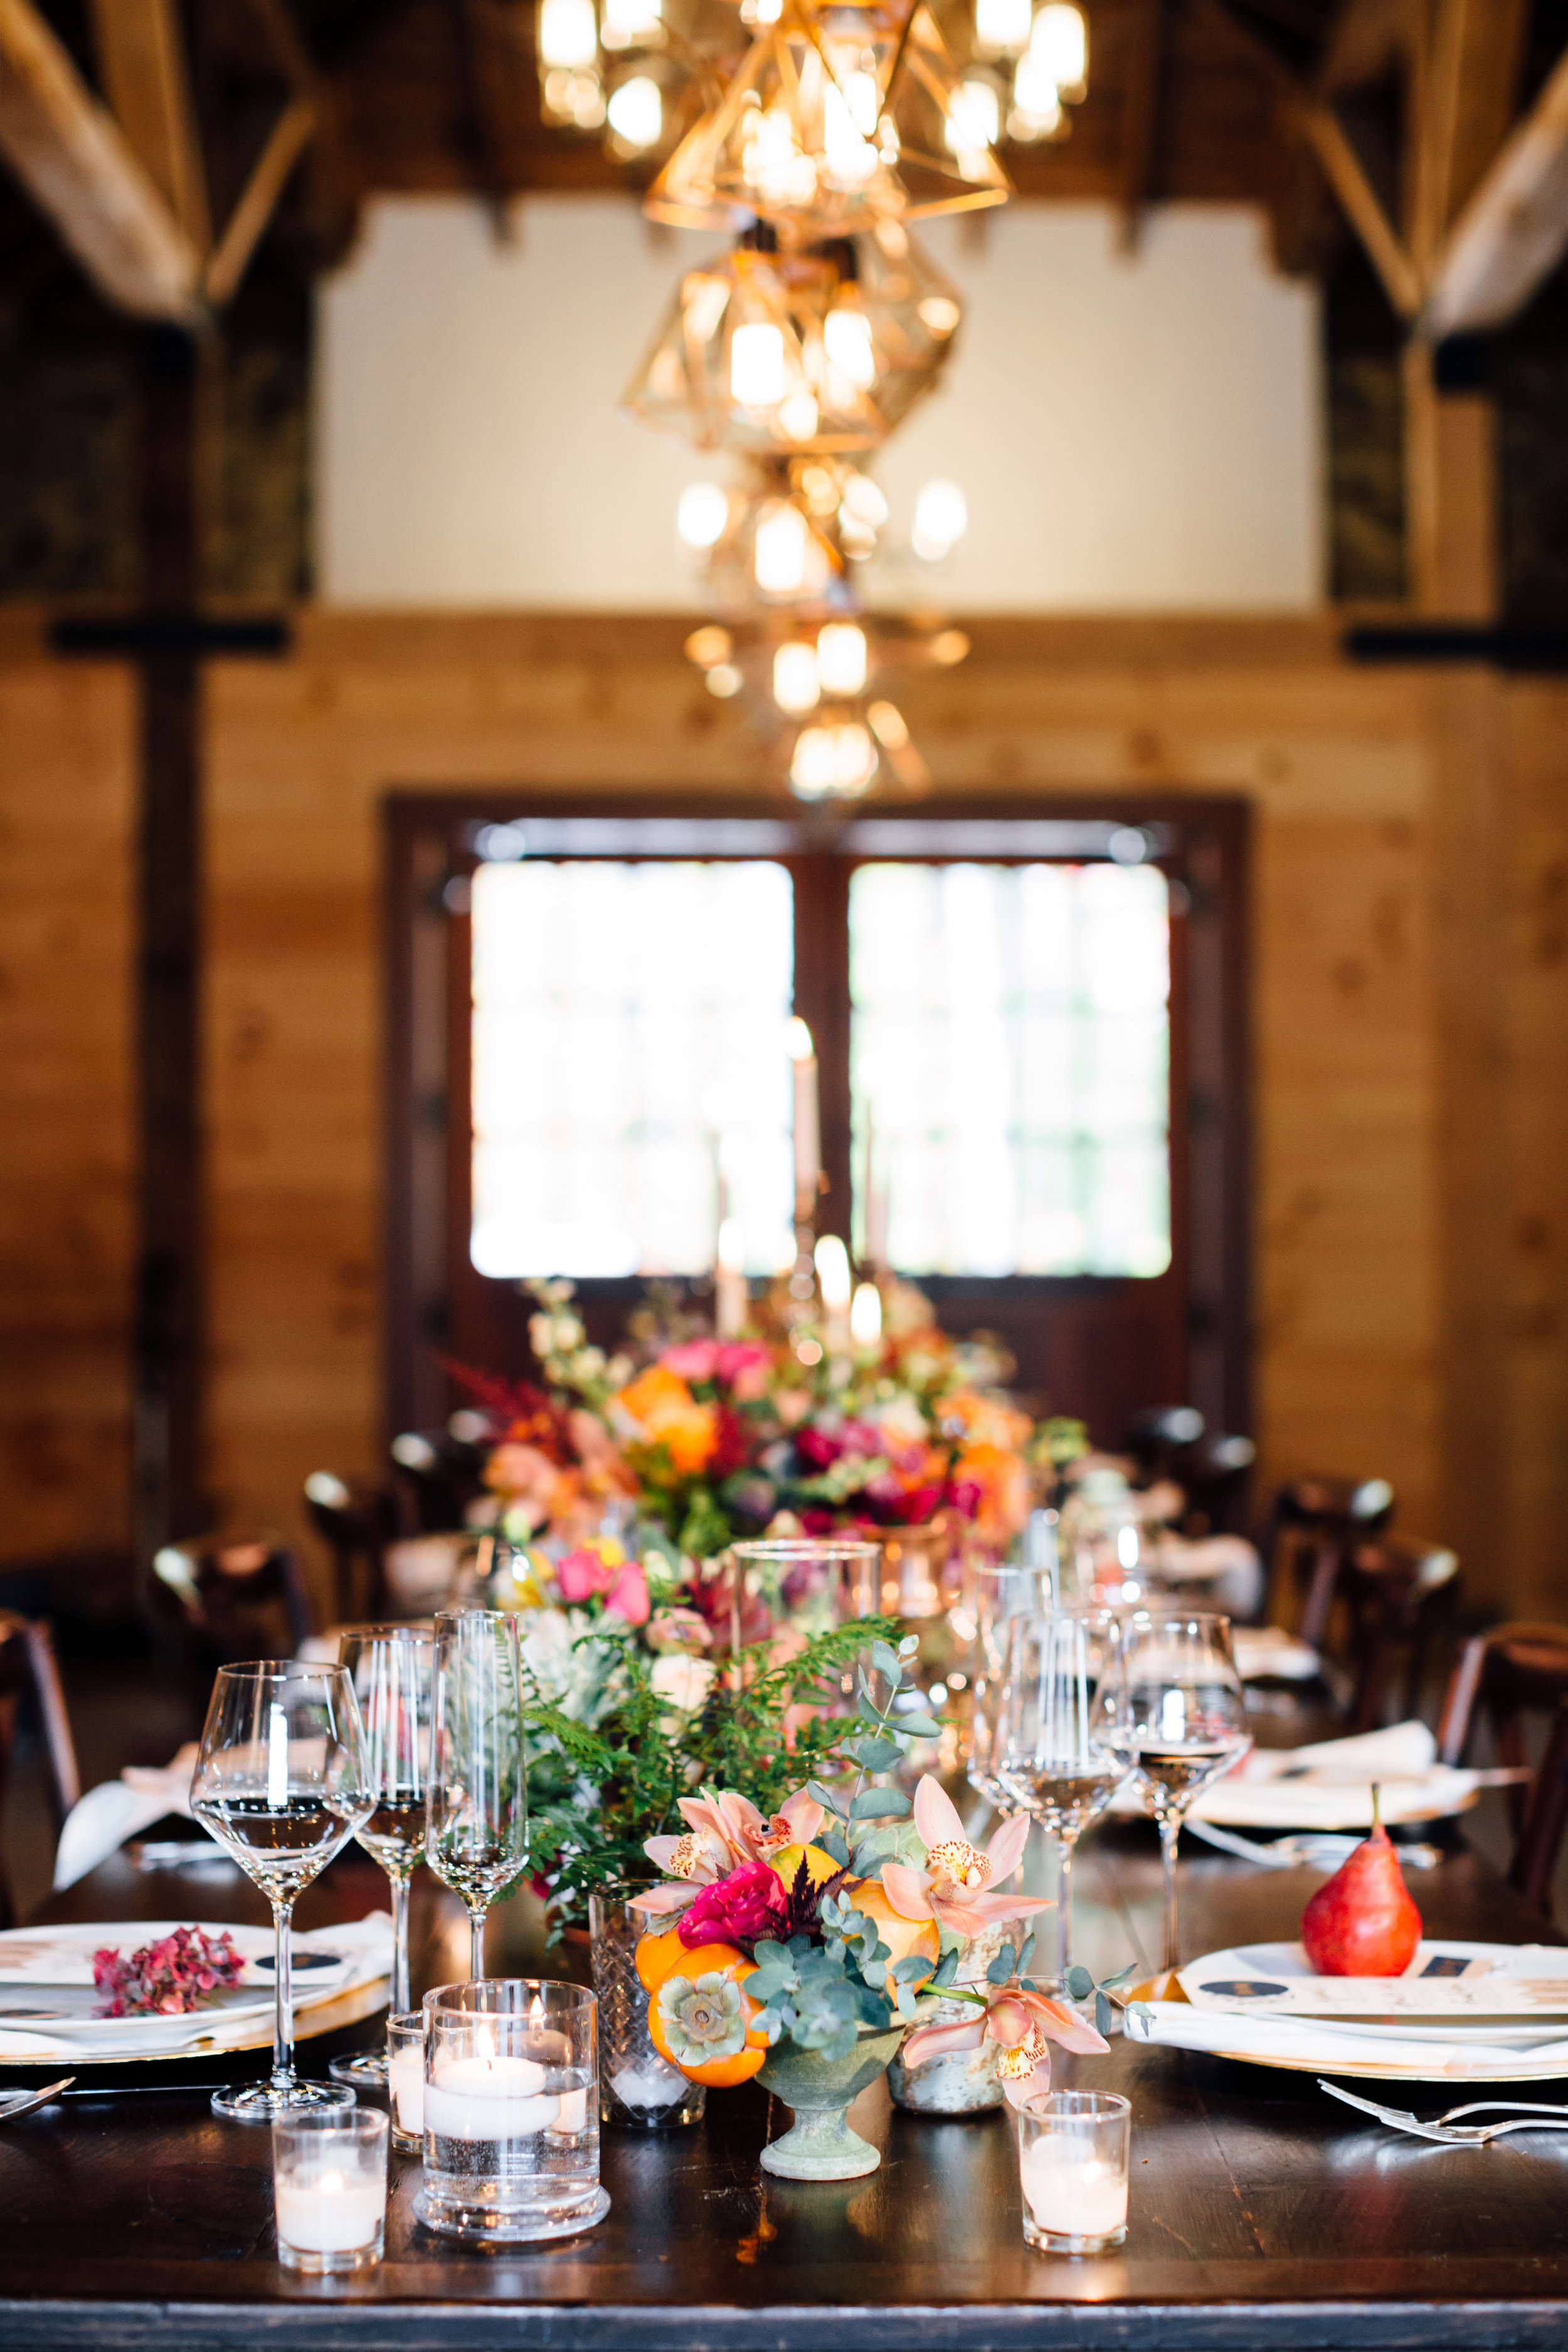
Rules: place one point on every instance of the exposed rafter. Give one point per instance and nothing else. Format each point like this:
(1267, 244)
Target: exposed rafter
(290, 136)
(141, 57)
(1347, 176)
(1514, 230)
(70, 154)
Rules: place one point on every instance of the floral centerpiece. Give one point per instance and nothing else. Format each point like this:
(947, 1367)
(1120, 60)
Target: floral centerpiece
(806, 1938)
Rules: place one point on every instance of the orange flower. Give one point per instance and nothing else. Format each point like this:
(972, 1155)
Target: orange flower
(1000, 1485)
(668, 1414)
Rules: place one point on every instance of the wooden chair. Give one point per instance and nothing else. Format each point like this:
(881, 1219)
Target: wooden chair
(1313, 1525)
(1396, 1592)
(30, 1678)
(1514, 1671)
(229, 1598)
(440, 1473)
(356, 1521)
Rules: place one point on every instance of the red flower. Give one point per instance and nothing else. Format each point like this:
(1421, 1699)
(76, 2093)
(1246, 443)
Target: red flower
(748, 1904)
(168, 1977)
(731, 1447)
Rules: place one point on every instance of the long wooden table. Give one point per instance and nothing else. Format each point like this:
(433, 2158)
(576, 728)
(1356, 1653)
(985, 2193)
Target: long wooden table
(1263, 2213)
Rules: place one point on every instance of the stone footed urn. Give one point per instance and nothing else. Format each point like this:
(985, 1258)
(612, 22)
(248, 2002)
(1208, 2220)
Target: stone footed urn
(820, 2146)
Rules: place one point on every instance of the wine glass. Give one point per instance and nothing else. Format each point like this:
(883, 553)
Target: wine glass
(996, 1599)
(476, 1822)
(281, 1781)
(1057, 1750)
(1184, 1723)
(389, 1667)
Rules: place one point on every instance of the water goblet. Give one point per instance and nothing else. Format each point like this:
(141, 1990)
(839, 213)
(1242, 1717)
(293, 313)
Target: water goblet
(390, 1668)
(1057, 1754)
(281, 1780)
(476, 1823)
(995, 1600)
(1183, 1724)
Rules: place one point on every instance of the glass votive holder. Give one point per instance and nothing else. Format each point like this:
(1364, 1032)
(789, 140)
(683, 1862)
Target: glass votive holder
(511, 2110)
(329, 2189)
(1072, 2163)
(406, 2080)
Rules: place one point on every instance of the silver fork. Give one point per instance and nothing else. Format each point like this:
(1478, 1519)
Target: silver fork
(1455, 2134)
(22, 2102)
(1323, 1849)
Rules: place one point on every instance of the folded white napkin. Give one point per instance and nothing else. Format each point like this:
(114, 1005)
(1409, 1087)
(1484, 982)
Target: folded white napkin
(1227, 1562)
(1328, 1785)
(1178, 2026)
(100, 1822)
(364, 1944)
(1268, 1650)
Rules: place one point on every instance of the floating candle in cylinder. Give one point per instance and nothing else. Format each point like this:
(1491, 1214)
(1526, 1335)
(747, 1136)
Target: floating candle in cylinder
(487, 2098)
(1072, 2165)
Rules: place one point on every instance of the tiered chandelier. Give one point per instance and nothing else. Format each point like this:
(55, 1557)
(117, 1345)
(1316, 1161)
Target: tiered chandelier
(812, 132)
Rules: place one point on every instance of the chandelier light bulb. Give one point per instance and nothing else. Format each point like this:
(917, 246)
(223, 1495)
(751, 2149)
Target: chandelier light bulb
(568, 33)
(832, 763)
(941, 518)
(1059, 40)
(779, 554)
(796, 684)
(723, 680)
(798, 416)
(841, 657)
(848, 121)
(1037, 109)
(704, 298)
(888, 725)
(630, 23)
(863, 500)
(1001, 27)
(708, 646)
(846, 339)
(865, 1314)
(636, 112)
(701, 517)
(973, 121)
(757, 366)
(940, 314)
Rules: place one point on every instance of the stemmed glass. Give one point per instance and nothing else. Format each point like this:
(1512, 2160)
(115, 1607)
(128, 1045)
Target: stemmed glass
(996, 1599)
(389, 1667)
(1057, 1749)
(476, 1822)
(281, 1780)
(1184, 1724)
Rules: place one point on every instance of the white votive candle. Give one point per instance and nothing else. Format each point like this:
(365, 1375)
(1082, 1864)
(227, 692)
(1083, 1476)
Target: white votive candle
(488, 2099)
(406, 2078)
(571, 2112)
(330, 2213)
(1073, 2196)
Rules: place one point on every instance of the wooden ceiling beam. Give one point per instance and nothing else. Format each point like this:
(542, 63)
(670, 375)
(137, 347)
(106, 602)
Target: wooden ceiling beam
(1514, 230)
(70, 154)
(1346, 176)
(290, 136)
(1140, 119)
(1466, 84)
(141, 56)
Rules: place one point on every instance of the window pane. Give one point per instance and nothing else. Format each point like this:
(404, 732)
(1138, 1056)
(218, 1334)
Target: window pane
(629, 1042)
(1010, 1058)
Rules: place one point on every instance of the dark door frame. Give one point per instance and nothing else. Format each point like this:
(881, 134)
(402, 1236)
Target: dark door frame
(1201, 841)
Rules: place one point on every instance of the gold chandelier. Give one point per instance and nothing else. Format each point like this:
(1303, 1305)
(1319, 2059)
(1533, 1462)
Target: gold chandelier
(819, 350)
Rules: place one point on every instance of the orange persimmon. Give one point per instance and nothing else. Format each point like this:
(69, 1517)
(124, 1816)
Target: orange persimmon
(656, 1954)
(700, 2005)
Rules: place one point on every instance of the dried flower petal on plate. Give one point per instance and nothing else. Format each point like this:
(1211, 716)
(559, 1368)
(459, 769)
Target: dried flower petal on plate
(168, 1979)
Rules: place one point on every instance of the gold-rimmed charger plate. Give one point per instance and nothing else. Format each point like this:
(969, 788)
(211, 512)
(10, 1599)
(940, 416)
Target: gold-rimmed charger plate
(341, 2008)
(1364, 2070)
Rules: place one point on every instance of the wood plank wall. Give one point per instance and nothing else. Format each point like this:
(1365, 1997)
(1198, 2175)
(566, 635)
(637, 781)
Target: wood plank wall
(1410, 1013)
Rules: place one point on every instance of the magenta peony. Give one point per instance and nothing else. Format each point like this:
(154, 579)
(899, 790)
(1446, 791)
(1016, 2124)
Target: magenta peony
(738, 1909)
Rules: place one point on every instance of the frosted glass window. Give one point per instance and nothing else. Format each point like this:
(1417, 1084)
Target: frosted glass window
(1010, 1067)
(631, 1077)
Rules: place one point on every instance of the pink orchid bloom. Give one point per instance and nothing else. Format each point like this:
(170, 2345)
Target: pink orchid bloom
(724, 1829)
(693, 1359)
(951, 1889)
(1025, 2024)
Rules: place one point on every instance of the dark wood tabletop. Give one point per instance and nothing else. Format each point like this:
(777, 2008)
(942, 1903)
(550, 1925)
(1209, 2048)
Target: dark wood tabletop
(1262, 2213)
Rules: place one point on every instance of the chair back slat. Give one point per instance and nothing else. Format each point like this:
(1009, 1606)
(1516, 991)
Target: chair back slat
(29, 1677)
(1503, 1676)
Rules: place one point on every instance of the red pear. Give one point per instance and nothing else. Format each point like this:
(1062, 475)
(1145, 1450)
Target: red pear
(1361, 1921)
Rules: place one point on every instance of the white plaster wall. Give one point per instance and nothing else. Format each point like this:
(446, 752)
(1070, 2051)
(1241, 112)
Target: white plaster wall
(1131, 432)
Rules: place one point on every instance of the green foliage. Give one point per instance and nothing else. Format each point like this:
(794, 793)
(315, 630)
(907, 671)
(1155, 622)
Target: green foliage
(595, 1796)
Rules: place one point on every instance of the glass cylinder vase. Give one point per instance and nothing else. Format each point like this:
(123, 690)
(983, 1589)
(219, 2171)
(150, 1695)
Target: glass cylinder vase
(638, 2090)
(959, 2082)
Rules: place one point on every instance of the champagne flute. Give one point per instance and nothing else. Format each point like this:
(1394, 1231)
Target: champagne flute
(1184, 1724)
(1057, 1750)
(281, 1780)
(476, 1823)
(389, 1667)
(996, 1600)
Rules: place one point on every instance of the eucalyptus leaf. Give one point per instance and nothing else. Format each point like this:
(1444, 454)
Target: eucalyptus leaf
(886, 1661)
(869, 1714)
(877, 1755)
(1103, 2019)
(908, 1645)
(1001, 1968)
(919, 1726)
(912, 1969)
(946, 1970)
(1080, 1983)
(831, 1842)
(879, 1805)
(825, 1798)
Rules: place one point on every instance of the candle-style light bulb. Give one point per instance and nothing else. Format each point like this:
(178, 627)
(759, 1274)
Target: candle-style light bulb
(833, 1273)
(865, 1314)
